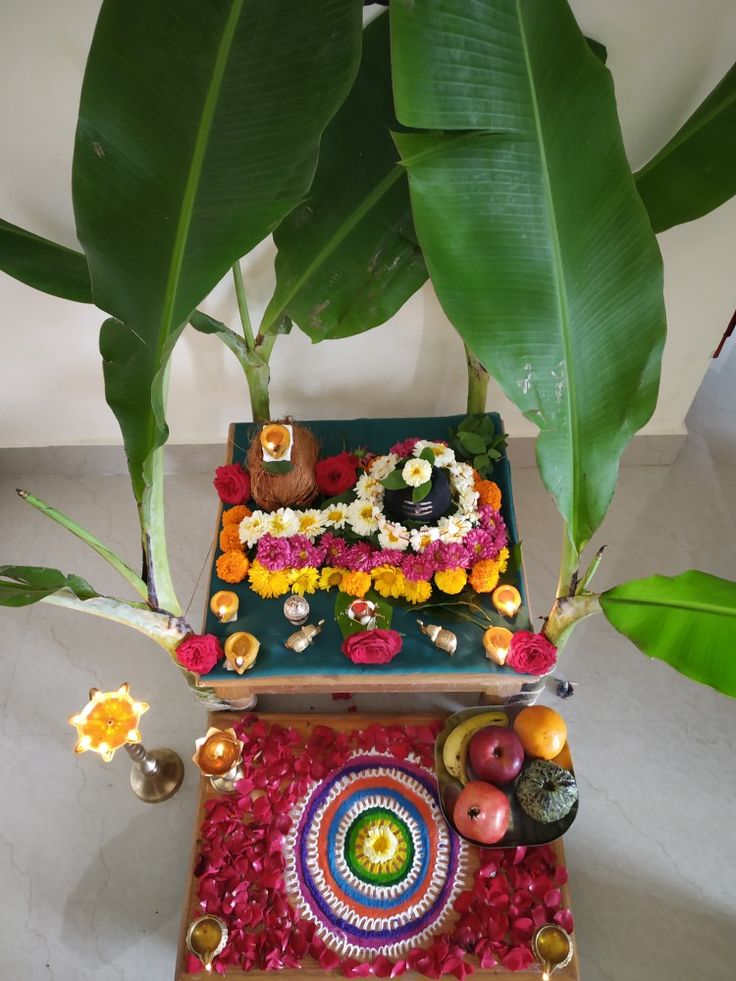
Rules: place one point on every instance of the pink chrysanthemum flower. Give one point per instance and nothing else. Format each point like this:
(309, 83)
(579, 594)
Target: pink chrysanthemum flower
(451, 555)
(274, 554)
(418, 566)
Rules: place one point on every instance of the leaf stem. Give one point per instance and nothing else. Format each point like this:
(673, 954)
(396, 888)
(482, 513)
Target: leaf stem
(478, 379)
(568, 563)
(243, 306)
(107, 554)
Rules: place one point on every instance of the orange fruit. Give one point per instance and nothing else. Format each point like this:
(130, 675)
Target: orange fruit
(563, 758)
(542, 731)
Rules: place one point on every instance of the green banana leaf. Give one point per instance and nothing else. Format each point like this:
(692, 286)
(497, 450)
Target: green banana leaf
(688, 621)
(348, 257)
(43, 264)
(694, 172)
(199, 128)
(21, 585)
(536, 241)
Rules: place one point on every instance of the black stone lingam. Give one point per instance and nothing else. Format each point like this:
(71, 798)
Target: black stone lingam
(399, 505)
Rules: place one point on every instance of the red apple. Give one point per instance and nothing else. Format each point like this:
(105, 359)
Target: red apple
(496, 754)
(481, 812)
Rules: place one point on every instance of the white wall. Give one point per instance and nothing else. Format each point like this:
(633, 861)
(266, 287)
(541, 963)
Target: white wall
(665, 55)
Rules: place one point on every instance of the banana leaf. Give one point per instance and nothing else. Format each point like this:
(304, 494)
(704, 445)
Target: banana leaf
(687, 621)
(44, 265)
(21, 585)
(694, 172)
(535, 238)
(199, 128)
(348, 257)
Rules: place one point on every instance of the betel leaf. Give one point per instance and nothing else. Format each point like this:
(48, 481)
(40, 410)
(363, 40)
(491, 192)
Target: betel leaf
(536, 240)
(472, 442)
(198, 130)
(348, 257)
(43, 264)
(427, 454)
(21, 585)
(347, 626)
(419, 493)
(394, 481)
(688, 621)
(483, 460)
(694, 172)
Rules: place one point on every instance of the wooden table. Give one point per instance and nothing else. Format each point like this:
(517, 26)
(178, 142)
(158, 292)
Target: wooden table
(345, 722)
(322, 669)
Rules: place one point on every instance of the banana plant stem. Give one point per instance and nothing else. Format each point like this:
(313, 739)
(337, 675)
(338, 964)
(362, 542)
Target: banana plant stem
(478, 379)
(568, 563)
(243, 306)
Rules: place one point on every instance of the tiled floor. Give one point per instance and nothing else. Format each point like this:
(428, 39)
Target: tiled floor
(91, 880)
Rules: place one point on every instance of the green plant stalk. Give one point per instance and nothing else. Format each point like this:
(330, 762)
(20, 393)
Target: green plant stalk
(243, 307)
(568, 563)
(107, 554)
(478, 379)
(566, 613)
(257, 355)
(161, 591)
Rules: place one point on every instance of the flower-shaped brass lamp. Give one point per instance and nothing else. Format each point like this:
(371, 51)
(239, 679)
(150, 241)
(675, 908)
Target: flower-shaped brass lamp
(109, 721)
(218, 754)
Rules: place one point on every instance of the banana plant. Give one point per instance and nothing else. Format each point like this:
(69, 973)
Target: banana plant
(199, 128)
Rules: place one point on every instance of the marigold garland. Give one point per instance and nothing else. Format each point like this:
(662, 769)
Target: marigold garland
(489, 493)
(232, 566)
(451, 581)
(234, 515)
(485, 574)
(230, 539)
(355, 584)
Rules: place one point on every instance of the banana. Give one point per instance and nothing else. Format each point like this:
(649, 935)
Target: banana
(455, 750)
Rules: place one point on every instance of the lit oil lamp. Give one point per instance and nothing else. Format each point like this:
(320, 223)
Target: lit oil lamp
(275, 440)
(110, 721)
(496, 641)
(507, 600)
(241, 651)
(553, 948)
(224, 604)
(218, 754)
(206, 938)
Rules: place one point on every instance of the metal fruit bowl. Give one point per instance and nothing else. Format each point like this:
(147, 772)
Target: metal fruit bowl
(522, 829)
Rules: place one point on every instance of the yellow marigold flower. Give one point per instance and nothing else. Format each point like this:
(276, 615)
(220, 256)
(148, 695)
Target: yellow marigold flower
(489, 493)
(304, 580)
(330, 576)
(230, 539)
(232, 566)
(389, 581)
(485, 574)
(233, 516)
(451, 580)
(267, 584)
(355, 584)
(417, 592)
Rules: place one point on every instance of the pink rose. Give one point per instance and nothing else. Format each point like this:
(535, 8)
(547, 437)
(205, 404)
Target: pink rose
(232, 483)
(531, 653)
(199, 653)
(372, 646)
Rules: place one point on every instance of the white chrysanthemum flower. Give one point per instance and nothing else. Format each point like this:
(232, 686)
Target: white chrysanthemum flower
(363, 517)
(424, 536)
(444, 456)
(393, 536)
(382, 466)
(467, 500)
(453, 529)
(253, 528)
(284, 523)
(417, 472)
(336, 515)
(368, 488)
(462, 473)
(311, 522)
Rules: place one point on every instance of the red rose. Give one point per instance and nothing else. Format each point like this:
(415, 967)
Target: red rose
(232, 483)
(336, 474)
(199, 653)
(531, 653)
(372, 646)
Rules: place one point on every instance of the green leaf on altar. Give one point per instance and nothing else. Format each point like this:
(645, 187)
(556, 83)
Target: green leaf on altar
(21, 585)
(484, 460)
(419, 493)
(427, 454)
(394, 481)
(536, 287)
(472, 442)
(278, 466)
(347, 626)
(688, 621)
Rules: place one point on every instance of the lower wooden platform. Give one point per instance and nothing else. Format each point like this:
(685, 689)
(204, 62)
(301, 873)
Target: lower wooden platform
(304, 723)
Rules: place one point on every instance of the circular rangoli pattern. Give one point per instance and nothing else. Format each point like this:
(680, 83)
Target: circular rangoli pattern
(371, 860)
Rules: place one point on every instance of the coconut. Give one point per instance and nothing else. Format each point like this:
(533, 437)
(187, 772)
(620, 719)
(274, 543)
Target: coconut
(296, 488)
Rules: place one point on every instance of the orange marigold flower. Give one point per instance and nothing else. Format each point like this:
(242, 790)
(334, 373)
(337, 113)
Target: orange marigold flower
(230, 539)
(232, 566)
(485, 574)
(355, 584)
(489, 493)
(233, 516)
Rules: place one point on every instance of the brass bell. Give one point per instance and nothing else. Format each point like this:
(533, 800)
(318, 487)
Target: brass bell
(275, 439)
(301, 640)
(443, 640)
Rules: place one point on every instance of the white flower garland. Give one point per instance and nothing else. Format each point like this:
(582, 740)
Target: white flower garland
(365, 515)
